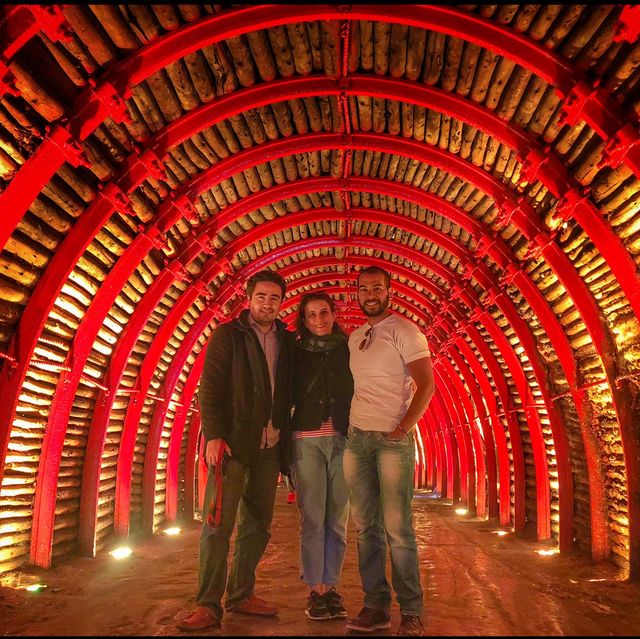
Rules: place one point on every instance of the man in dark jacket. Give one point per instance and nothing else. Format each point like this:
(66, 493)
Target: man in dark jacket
(245, 382)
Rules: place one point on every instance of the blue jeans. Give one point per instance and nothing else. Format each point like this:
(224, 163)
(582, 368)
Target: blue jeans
(379, 473)
(323, 500)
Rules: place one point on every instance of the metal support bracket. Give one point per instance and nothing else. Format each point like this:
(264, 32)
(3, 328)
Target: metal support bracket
(628, 26)
(117, 198)
(565, 208)
(113, 103)
(69, 148)
(626, 140)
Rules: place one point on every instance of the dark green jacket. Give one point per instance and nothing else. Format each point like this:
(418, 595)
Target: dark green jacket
(235, 389)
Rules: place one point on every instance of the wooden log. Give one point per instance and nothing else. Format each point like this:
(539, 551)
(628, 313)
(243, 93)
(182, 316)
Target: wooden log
(166, 15)
(190, 12)
(525, 16)
(36, 93)
(87, 28)
(366, 45)
(415, 52)
(299, 39)
(262, 55)
(452, 63)
(315, 40)
(398, 50)
(530, 101)
(165, 96)
(282, 51)
(486, 64)
(111, 20)
(433, 127)
(331, 47)
(506, 12)
(498, 81)
(393, 117)
(543, 20)
(445, 127)
(39, 232)
(419, 122)
(224, 70)
(625, 68)
(581, 35)
(8, 166)
(381, 41)
(142, 22)
(598, 44)
(434, 57)
(200, 75)
(407, 119)
(467, 69)
(64, 59)
(513, 92)
(182, 85)
(147, 106)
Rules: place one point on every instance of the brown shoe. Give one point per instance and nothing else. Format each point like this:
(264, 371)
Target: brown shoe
(200, 619)
(369, 619)
(255, 606)
(411, 626)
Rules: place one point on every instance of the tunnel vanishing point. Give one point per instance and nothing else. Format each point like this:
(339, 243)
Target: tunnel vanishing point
(153, 157)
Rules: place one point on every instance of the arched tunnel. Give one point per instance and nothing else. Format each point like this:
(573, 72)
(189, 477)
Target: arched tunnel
(153, 157)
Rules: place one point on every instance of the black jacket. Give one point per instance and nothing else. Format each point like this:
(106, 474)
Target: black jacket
(322, 387)
(235, 389)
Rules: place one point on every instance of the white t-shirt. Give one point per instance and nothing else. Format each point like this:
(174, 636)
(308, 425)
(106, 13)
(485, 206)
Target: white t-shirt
(382, 382)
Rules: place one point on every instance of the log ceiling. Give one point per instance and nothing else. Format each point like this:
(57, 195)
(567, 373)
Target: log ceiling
(153, 157)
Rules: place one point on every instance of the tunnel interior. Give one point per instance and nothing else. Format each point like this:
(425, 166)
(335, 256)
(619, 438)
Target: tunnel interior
(152, 158)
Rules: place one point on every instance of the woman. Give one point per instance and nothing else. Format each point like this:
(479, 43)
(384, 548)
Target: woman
(322, 390)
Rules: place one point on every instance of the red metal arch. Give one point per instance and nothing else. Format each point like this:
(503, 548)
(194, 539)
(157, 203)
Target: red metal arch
(105, 287)
(175, 441)
(465, 441)
(468, 296)
(141, 164)
(154, 436)
(95, 105)
(190, 466)
(444, 425)
(472, 437)
(456, 416)
(490, 451)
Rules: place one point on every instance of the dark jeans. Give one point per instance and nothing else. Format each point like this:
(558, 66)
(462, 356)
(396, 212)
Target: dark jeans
(248, 492)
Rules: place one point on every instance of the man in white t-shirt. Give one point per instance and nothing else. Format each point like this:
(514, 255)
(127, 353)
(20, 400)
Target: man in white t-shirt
(387, 353)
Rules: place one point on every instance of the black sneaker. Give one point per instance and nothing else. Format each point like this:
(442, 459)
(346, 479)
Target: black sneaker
(334, 603)
(411, 626)
(316, 607)
(370, 619)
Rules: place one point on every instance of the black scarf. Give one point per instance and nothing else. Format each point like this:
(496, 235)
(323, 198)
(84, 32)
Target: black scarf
(323, 343)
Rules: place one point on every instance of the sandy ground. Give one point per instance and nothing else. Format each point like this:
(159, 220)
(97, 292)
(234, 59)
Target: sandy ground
(475, 582)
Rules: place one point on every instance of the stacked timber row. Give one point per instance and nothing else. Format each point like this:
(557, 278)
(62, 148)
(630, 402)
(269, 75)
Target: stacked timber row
(331, 140)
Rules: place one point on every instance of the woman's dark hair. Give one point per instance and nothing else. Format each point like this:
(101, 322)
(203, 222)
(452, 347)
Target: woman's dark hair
(301, 329)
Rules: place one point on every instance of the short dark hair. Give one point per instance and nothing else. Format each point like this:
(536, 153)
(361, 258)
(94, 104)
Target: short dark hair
(372, 270)
(301, 328)
(266, 276)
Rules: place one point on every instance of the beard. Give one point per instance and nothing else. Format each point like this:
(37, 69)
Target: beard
(378, 310)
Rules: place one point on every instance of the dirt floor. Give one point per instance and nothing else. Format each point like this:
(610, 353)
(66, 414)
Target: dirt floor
(475, 582)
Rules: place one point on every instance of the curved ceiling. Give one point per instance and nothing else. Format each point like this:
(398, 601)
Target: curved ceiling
(153, 157)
